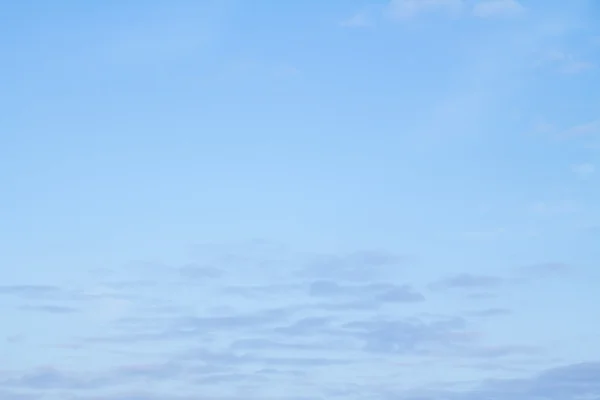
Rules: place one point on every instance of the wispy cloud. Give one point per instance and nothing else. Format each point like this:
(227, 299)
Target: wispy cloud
(402, 9)
(582, 130)
(543, 270)
(566, 63)
(584, 170)
(553, 208)
(491, 312)
(498, 8)
(358, 20)
(468, 281)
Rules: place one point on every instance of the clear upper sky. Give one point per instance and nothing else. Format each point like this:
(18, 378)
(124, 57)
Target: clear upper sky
(299, 199)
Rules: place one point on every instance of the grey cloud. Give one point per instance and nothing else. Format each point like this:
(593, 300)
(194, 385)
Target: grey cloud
(467, 281)
(55, 299)
(182, 327)
(160, 371)
(264, 291)
(400, 294)
(360, 266)
(128, 284)
(577, 381)
(12, 395)
(570, 382)
(51, 309)
(490, 312)
(270, 344)
(472, 282)
(502, 351)
(150, 276)
(309, 334)
(333, 296)
(326, 288)
(199, 273)
(45, 298)
(581, 379)
(545, 269)
(381, 292)
(275, 261)
(15, 338)
(228, 378)
(409, 336)
(135, 395)
(306, 326)
(250, 320)
(152, 395)
(32, 291)
(481, 295)
(374, 258)
(229, 358)
(52, 378)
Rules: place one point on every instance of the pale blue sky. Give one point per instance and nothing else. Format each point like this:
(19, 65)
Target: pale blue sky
(300, 200)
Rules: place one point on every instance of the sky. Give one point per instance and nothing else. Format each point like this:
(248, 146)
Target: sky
(299, 200)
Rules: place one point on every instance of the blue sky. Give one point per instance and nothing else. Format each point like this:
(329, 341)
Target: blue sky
(300, 200)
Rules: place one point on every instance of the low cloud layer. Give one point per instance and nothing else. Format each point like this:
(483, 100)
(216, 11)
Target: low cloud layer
(295, 325)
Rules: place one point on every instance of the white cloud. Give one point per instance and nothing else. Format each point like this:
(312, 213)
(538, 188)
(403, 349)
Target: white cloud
(358, 20)
(584, 170)
(402, 9)
(585, 129)
(553, 208)
(498, 8)
(406, 9)
(576, 66)
(565, 62)
(543, 127)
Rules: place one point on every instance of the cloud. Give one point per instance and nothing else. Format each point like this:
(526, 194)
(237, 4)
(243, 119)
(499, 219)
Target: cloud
(490, 312)
(568, 382)
(403, 9)
(566, 62)
(378, 292)
(487, 286)
(11, 395)
(583, 170)
(576, 66)
(158, 35)
(32, 291)
(195, 272)
(582, 130)
(542, 270)
(576, 381)
(466, 281)
(553, 208)
(497, 8)
(245, 317)
(409, 336)
(48, 378)
(52, 309)
(262, 321)
(359, 266)
(358, 20)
